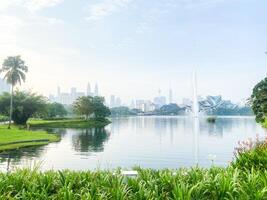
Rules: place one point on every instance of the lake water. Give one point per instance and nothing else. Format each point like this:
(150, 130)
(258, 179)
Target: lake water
(152, 142)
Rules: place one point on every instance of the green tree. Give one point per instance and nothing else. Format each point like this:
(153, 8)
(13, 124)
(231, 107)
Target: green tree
(88, 105)
(14, 69)
(56, 109)
(84, 106)
(100, 110)
(258, 100)
(25, 105)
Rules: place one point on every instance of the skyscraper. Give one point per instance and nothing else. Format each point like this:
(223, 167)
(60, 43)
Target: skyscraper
(88, 90)
(170, 96)
(96, 90)
(58, 91)
(112, 101)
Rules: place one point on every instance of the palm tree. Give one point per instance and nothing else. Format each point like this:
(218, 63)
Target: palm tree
(14, 69)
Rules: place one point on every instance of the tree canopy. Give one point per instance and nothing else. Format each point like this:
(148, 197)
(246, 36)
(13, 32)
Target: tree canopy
(26, 105)
(87, 105)
(56, 110)
(14, 70)
(259, 100)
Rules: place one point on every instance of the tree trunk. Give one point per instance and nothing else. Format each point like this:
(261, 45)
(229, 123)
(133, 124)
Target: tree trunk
(11, 107)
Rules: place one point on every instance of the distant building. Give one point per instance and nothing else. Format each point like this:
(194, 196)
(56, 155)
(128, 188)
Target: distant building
(118, 102)
(96, 92)
(112, 101)
(170, 96)
(159, 100)
(4, 87)
(88, 90)
(145, 105)
(66, 98)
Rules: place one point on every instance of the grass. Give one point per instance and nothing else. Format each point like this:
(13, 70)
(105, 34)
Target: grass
(17, 138)
(68, 123)
(184, 184)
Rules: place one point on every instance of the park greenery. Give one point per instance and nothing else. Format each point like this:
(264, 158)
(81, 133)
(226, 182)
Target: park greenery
(258, 100)
(17, 137)
(14, 70)
(244, 178)
(88, 106)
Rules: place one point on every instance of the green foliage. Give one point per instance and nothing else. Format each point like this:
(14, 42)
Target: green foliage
(69, 123)
(26, 105)
(88, 105)
(171, 109)
(251, 154)
(3, 118)
(186, 184)
(100, 110)
(55, 110)
(232, 111)
(14, 69)
(211, 119)
(259, 100)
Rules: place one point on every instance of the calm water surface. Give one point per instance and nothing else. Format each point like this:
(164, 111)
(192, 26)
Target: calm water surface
(154, 142)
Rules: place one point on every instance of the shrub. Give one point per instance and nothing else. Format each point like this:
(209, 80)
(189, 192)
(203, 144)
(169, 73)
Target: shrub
(251, 154)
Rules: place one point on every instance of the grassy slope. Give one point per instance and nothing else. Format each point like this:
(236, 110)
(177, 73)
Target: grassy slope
(15, 134)
(68, 123)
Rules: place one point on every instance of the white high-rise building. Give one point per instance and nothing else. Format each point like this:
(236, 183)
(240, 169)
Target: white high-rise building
(96, 93)
(112, 101)
(170, 96)
(88, 90)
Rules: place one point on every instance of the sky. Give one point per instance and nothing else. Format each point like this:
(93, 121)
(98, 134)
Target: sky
(133, 48)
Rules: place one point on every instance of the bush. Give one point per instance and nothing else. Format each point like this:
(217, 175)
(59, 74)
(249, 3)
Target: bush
(251, 154)
(25, 105)
(3, 118)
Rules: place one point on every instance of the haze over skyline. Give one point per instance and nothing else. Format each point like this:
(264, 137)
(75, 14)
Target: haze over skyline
(131, 48)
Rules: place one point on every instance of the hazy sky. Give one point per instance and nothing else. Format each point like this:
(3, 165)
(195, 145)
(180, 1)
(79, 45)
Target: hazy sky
(133, 47)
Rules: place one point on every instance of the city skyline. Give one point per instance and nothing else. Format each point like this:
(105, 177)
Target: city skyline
(132, 48)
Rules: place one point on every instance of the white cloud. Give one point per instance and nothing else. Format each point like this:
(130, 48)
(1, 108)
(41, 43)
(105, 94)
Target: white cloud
(31, 5)
(105, 8)
(34, 5)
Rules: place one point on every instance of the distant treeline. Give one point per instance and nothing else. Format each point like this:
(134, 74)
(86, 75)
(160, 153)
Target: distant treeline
(174, 109)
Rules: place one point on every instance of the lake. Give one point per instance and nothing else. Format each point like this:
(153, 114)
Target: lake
(150, 141)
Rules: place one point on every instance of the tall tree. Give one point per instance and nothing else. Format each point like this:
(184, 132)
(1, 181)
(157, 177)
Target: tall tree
(259, 100)
(84, 106)
(14, 70)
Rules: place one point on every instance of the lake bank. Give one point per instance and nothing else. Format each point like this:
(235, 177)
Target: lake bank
(15, 138)
(69, 123)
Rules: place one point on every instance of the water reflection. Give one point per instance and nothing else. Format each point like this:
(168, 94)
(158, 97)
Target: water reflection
(90, 140)
(152, 141)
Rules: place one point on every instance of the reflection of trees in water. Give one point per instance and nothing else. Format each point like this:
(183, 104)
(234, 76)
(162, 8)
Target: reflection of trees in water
(13, 157)
(90, 140)
(226, 125)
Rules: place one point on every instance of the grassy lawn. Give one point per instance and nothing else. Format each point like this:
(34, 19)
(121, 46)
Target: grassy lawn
(68, 123)
(16, 138)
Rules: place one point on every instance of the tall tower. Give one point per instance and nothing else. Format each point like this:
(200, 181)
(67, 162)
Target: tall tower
(88, 90)
(170, 96)
(58, 91)
(96, 90)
